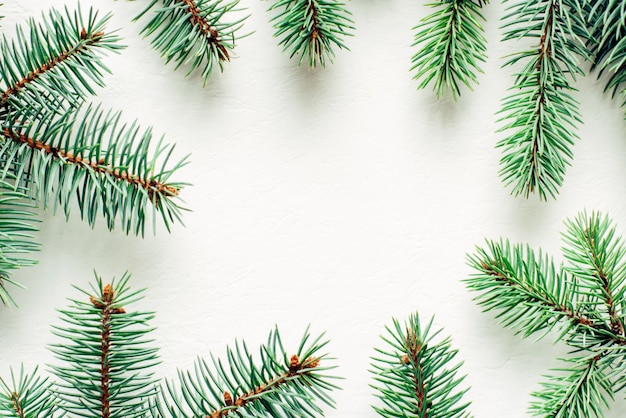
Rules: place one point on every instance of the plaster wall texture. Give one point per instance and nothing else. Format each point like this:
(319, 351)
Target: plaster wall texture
(338, 198)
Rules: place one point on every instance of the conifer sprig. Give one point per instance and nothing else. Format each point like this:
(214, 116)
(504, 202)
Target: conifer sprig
(606, 23)
(583, 300)
(416, 376)
(541, 114)
(311, 29)
(107, 357)
(451, 46)
(107, 352)
(93, 157)
(26, 396)
(55, 63)
(195, 33)
(280, 386)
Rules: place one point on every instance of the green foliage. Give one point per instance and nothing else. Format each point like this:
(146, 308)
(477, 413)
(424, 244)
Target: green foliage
(583, 300)
(311, 29)
(280, 386)
(106, 354)
(107, 357)
(52, 65)
(93, 157)
(540, 113)
(415, 375)
(16, 240)
(193, 32)
(26, 396)
(451, 46)
(58, 151)
(606, 22)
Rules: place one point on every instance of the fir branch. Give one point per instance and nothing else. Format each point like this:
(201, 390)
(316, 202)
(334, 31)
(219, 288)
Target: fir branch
(16, 240)
(193, 32)
(67, 157)
(541, 111)
(451, 46)
(282, 386)
(54, 64)
(606, 41)
(597, 259)
(311, 28)
(107, 353)
(28, 396)
(583, 391)
(415, 376)
(512, 276)
(585, 298)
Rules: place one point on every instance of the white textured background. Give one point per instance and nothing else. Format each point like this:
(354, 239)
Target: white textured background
(339, 198)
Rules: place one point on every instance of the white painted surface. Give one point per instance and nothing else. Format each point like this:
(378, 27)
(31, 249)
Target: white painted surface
(340, 197)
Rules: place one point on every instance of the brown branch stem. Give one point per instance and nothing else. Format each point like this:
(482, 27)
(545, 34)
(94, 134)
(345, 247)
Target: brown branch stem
(414, 348)
(315, 34)
(295, 367)
(17, 405)
(209, 31)
(616, 323)
(576, 317)
(545, 52)
(107, 308)
(100, 166)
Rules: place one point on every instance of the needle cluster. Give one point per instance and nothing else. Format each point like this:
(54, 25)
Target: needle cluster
(106, 359)
(581, 301)
(58, 150)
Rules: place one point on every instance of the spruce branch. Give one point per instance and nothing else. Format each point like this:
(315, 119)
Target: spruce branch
(606, 41)
(415, 376)
(106, 350)
(93, 157)
(311, 29)
(582, 392)
(16, 240)
(540, 111)
(451, 46)
(55, 63)
(193, 32)
(27, 396)
(281, 386)
(107, 357)
(583, 299)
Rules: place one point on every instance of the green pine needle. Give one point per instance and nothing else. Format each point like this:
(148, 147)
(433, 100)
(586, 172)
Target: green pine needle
(91, 156)
(584, 390)
(279, 386)
(54, 63)
(27, 395)
(582, 299)
(106, 354)
(194, 33)
(16, 241)
(540, 113)
(451, 46)
(311, 29)
(415, 376)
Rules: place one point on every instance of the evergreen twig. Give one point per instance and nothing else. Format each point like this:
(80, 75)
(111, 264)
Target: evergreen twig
(583, 300)
(27, 396)
(414, 375)
(281, 386)
(193, 32)
(311, 29)
(451, 46)
(540, 111)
